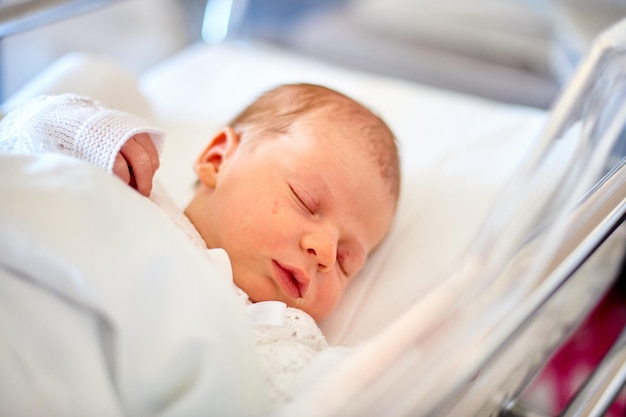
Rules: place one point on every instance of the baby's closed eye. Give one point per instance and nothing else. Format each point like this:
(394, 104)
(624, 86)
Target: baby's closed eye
(346, 263)
(305, 201)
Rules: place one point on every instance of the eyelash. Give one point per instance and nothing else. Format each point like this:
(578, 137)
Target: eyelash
(342, 269)
(301, 201)
(340, 263)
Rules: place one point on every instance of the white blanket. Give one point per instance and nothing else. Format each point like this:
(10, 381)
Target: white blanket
(94, 321)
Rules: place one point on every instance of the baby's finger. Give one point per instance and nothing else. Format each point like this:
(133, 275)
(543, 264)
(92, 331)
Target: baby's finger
(140, 165)
(120, 168)
(143, 139)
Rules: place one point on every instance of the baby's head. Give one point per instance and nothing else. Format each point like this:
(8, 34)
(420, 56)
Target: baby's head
(298, 189)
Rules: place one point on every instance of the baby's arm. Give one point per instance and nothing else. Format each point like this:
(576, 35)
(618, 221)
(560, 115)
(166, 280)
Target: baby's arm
(80, 127)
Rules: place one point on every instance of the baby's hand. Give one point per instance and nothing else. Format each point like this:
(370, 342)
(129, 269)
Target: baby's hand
(137, 162)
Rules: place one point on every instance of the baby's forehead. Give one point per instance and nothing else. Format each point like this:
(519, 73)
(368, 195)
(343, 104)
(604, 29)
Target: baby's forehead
(368, 141)
(349, 126)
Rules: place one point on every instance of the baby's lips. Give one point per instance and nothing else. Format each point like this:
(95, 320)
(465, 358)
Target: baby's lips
(302, 279)
(288, 281)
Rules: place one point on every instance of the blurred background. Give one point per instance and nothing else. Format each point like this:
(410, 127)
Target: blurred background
(515, 51)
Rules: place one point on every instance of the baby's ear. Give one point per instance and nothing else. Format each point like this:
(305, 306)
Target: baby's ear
(211, 159)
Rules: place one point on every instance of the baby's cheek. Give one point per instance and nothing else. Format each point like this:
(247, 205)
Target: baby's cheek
(275, 207)
(270, 226)
(328, 295)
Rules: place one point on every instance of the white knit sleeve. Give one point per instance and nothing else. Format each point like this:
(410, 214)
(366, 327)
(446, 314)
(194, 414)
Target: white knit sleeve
(72, 125)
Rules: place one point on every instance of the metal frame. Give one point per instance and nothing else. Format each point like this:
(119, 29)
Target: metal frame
(31, 14)
(597, 394)
(27, 15)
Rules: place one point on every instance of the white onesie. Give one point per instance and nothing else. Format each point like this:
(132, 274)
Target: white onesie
(287, 339)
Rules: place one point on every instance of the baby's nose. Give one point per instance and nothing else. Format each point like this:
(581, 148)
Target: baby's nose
(322, 247)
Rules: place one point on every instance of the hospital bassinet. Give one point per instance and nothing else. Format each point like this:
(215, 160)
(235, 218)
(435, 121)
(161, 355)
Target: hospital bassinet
(508, 230)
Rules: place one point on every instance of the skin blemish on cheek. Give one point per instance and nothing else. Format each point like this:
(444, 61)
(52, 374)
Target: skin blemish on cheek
(275, 207)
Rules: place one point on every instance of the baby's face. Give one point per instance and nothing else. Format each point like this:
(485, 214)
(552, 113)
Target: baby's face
(298, 217)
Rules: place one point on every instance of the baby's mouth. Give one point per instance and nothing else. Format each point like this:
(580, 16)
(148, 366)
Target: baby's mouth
(293, 281)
